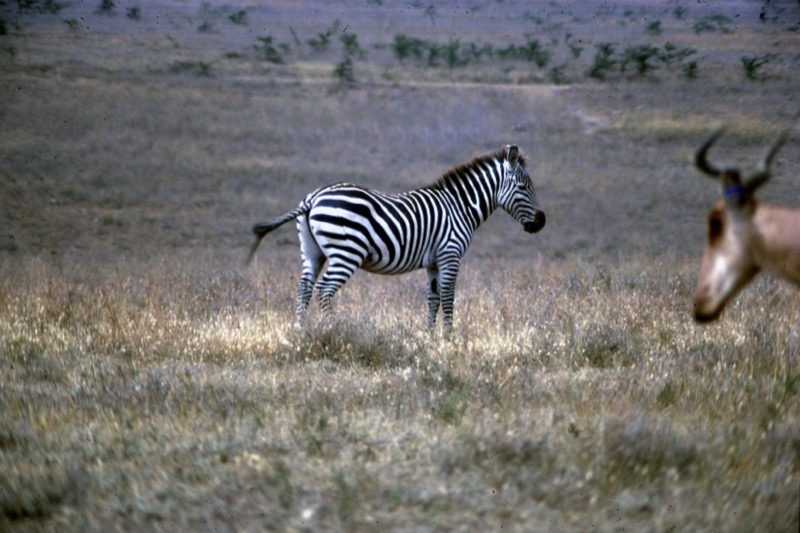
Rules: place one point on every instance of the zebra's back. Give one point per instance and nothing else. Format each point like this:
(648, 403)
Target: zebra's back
(384, 233)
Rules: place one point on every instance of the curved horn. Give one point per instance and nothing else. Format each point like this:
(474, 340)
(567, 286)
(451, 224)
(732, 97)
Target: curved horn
(700, 157)
(762, 173)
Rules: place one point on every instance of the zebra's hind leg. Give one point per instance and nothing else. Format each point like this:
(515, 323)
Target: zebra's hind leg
(434, 298)
(313, 259)
(338, 272)
(305, 287)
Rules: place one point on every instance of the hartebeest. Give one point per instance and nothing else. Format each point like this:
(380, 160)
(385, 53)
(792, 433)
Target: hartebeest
(744, 235)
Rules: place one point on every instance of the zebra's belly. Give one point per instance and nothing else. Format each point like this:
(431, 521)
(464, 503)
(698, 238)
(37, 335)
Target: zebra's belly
(371, 264)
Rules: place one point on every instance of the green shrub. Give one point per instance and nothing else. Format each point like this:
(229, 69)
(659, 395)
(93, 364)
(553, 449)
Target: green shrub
(473, 52)
(690, 70)
(654, 28)
(239, 18)
(201, 68)
(451, 54)
(405, 47)
(604, 61)
(752, 65)
(351, 46)
(321, 42)
(106, 7)
(672, 54)
(323, 39)
(639, 57)
(574, 47)
(72, 24)
(531, 51)
(713, 23)
(40, 6)
(344, 72)
(556, 74)
(267, 51)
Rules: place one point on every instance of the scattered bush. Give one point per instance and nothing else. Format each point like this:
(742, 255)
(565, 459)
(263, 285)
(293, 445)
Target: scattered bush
(134, 13)
(654, 28)
(323, 39)
(690, 70)
(455, 54)
(639, 57)
(603, 61)
(574, 48)
(321, 42)
(672, 54)
(40, 6)
(531, 51)
(267, 51)
(344, 72)
(106, 7)
(405, 47)
(752, 65)
(239, 18)
(351, 46)
(556, 74)
(713, 23)
(72, 24)
(201, 68)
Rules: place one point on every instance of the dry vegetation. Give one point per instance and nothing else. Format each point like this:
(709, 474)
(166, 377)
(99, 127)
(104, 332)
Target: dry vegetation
(148, 381)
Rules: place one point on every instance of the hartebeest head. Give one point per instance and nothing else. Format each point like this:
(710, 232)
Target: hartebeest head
(743, 234)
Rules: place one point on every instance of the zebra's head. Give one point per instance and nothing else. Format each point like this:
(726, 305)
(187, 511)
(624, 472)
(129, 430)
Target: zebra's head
(516, 194)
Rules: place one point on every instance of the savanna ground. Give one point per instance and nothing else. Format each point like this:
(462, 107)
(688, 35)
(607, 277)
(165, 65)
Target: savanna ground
(148, 381)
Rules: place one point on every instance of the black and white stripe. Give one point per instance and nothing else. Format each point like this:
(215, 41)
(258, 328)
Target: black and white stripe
(351, 227)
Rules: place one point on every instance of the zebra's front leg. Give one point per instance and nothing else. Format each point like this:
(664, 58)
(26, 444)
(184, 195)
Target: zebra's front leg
(434, 298)
(447, 291)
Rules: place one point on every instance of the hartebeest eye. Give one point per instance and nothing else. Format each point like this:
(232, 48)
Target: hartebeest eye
(715, 227)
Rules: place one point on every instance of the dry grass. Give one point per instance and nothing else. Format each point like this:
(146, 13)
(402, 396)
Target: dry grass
(140, 398)
(149, 381)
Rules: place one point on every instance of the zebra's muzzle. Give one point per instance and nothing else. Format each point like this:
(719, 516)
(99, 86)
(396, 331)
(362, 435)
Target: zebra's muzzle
(535, 225)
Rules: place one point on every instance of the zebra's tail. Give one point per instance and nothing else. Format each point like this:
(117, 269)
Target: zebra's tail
(262, 228)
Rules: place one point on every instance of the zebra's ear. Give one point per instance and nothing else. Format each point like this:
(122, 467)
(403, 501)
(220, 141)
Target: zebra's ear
(512, 154)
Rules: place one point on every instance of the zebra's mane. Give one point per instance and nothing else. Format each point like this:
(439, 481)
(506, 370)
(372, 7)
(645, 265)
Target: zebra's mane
(457, 173)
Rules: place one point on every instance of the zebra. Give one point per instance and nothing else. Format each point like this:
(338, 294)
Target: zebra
(352, 227)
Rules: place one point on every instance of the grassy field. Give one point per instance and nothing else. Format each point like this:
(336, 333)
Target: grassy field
(150, 381)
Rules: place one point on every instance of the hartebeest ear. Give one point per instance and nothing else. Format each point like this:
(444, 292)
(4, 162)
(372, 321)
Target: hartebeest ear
(512, 154)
